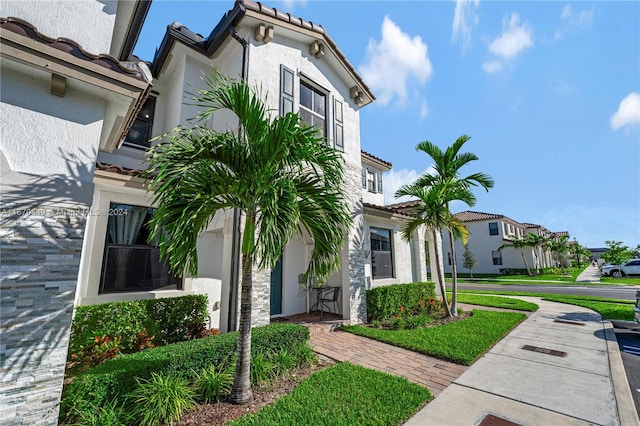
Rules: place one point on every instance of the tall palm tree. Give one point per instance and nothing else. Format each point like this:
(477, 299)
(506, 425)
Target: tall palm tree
(277, 172)
(559, 247)
(433, 213)
(536, 242)
(447, 167)
(518, 243)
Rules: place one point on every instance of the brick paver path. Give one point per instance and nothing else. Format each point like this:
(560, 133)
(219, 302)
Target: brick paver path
(424, 370)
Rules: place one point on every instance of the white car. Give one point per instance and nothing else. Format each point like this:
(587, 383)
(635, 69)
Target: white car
(629, 268)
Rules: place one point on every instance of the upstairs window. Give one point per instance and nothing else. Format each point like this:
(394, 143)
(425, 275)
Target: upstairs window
(371, 181)
(493, 228)
(140, 132)
(313, 107)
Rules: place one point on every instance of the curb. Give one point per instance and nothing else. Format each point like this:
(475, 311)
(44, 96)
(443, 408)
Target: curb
(624, 399)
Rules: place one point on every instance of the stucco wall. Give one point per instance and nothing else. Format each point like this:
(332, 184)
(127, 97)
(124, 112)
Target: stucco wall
(88, 22)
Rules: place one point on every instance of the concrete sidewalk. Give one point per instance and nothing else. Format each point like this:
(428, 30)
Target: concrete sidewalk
(591, 274)
(587, 385)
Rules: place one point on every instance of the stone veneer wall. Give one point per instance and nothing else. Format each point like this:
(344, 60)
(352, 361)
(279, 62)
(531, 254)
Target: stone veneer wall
(356, 246)
(260, 297)
(38, 274)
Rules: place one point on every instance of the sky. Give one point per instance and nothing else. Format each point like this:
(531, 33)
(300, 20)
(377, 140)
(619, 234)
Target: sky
(549, 92)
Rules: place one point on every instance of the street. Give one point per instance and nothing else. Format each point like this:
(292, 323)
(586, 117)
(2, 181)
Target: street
(628, 335)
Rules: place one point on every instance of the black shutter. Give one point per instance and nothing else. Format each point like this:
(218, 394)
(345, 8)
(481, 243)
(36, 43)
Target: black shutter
(379, 183)
(364, 177)
(286, 90)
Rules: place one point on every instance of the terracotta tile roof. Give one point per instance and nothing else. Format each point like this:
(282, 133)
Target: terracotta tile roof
(118, 169)
(469, 216)
(532, 225)
(71, 47)
(403, 205)
(373, 159)
(385, 209)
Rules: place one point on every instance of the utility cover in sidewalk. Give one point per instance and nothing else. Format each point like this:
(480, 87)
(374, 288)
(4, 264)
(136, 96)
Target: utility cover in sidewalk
(544, 350)
(491, 420)
(569, 322)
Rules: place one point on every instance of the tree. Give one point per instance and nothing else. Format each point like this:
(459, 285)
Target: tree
(518, 243)
(433, 213)
(447, 167)
(559, 248)
(468, 259)
(536, 242)
(277, 172)
(616, 253)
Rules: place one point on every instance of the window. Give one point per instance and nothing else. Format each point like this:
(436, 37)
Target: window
(497, 257)
(130, 263)
(381, 253)
(371, 181)
(140, 132)
(493, 228)
(312, 107)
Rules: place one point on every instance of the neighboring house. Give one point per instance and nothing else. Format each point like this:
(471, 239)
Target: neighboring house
(67, 94)
(487, 232)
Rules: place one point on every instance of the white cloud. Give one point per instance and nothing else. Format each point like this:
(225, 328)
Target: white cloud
(394, 179)
(424, 110)
(465, 18)
(291, 4)
(514, 39)
(628, 112)
(574, 22)
(391, 63)
(492, 66)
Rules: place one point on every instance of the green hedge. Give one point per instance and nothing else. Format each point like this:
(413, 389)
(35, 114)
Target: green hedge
(385, 302)
(117, 377)
(169, 320)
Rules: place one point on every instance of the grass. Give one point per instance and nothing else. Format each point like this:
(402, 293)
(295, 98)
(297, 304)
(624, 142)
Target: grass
(497, 302)
(621, 281)
(344, 394)
(461, 341)
(610, 309)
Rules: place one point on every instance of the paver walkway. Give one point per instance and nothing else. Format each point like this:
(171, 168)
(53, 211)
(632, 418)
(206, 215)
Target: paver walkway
(424, 370)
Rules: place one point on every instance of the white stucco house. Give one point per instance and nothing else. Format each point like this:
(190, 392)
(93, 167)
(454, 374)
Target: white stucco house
(76, 126)
(489, 231)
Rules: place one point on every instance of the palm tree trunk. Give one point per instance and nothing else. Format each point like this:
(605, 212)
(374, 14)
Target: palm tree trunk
(241, 392)
(454, 275)
(525, 263)
(440, 273)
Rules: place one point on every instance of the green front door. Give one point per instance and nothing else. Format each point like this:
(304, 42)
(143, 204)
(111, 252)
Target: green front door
(276, 289)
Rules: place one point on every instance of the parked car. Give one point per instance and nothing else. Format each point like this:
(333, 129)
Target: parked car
(629, 268)
(636, 308)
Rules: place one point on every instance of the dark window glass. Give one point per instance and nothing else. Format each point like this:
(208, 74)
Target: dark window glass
(497, 257)
(140, 132)
(381, 253)
(130, 263)
(493, 228)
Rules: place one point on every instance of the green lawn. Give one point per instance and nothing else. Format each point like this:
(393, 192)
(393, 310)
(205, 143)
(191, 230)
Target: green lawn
(344, 394)
(461, 341)
(610, 309)
(497, 302)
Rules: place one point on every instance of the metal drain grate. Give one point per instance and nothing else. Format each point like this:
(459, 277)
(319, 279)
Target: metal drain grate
(544, 351)
(568, 322)
(491, 420)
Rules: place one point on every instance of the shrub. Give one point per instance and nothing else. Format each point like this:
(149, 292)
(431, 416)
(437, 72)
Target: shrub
(110, 414)
(162, 399)
(388, 301)
(283, 360)
(213, 382)
(263, 370)
(134, 325)
(117, 376)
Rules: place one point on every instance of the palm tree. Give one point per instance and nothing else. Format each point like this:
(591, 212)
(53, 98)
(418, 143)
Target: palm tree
(277, 172)
(433, 213)
(536, 242)
(447, 167)
(559, 248)
(518, 243)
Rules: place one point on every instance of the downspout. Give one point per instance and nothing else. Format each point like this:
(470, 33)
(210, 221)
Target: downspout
(232, 318)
